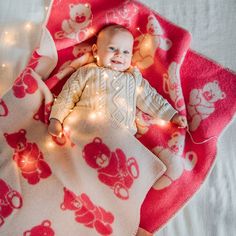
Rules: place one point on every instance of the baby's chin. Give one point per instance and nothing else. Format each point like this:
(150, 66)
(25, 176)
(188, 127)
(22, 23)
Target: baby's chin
(113, 66)
(117, 67)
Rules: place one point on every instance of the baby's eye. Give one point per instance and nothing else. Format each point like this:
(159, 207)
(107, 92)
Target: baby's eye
(126, 52)
(112, 48)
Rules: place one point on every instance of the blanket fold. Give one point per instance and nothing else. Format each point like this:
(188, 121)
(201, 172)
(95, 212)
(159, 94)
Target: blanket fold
(94, 179)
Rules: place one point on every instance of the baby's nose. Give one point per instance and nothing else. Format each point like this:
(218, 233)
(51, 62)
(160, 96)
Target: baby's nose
(118, 52)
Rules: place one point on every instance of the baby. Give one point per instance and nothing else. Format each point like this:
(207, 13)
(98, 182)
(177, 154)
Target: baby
(120, 89)
(110, 86)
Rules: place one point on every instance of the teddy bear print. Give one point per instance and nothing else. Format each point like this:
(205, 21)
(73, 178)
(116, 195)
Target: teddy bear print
(87, 213)
(41, 64)
(172, 157)
(9, 200)
(172, 86)
(113, 168)
(145, 45)
(3, 108)
(76, 27)
(28, 157)
(44, 229)
(202, 103)
(80, 49)
(123, 15)
(25, 84)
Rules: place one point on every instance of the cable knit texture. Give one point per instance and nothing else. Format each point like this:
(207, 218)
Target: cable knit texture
(113, 93)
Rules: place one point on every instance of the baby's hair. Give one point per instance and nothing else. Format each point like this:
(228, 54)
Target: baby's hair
(114, 28)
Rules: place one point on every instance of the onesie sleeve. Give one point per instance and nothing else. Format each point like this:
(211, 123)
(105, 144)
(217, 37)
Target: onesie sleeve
(69, 95)
(150, 101)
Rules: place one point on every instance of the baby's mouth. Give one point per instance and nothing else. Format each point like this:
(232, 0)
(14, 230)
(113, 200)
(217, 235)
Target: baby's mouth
(116, 62)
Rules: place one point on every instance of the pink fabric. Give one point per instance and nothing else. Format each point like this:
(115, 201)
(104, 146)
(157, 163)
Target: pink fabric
(198, 88)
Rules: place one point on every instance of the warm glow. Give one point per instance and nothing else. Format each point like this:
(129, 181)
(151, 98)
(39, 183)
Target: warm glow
(28, 26)
(161, 122)
(4, 65)
(66, 129)
(139, 90)
(100, 114)
(92, 31)
(9, 38)
(50, 144)
(46, 8)
(92, 115)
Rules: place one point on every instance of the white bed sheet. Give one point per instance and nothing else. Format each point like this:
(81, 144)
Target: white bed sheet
(212, 23)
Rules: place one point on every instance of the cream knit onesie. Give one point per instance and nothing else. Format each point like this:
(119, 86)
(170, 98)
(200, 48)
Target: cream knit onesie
(114, 93)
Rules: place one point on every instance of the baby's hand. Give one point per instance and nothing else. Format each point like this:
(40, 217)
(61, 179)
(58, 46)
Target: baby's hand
(82, 60)
(55, 128)
(179, 120)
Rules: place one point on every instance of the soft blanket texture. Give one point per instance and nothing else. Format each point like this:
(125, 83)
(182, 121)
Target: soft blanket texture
(167, 193)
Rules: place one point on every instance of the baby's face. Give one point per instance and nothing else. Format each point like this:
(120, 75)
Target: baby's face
(114, 50)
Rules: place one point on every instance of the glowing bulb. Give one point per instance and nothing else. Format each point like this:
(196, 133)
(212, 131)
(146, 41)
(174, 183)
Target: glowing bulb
(105, 76)
(50, 144)
(66, 129)
(139, 90)
(92, 116)
(28, 26)
(92, 31)
(161, 122)
(4, 65)
(86, 86)
(8, 38)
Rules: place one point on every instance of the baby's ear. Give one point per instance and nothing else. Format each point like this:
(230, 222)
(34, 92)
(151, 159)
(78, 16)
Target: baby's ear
(94, 50)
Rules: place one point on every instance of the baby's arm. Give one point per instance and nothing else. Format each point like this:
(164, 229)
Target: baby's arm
(152, 103)
(65, 101)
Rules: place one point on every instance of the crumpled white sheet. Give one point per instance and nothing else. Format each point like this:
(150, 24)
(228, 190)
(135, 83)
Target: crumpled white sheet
(212, 211)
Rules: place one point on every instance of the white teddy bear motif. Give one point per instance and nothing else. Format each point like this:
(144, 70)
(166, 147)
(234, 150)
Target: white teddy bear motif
(172, 86)
(122, 15)
(202, 103)
(76, 27)
(172, 157)
(146, 45)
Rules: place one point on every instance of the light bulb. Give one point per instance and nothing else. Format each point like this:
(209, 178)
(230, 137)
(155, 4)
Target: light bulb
(92, 116)
(28, 26)
(9, 38)
(161, 122)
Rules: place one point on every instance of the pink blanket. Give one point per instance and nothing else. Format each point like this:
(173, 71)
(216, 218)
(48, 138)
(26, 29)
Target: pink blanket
(198, 88)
